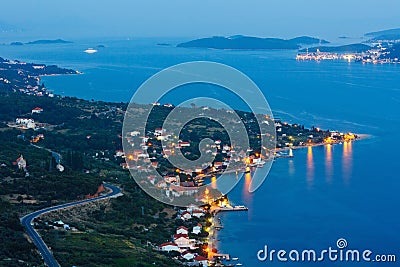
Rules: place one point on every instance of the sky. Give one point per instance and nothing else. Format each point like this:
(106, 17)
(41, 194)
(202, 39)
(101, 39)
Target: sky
(78, 19)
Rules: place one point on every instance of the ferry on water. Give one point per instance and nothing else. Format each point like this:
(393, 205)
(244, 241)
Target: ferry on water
(90, 51)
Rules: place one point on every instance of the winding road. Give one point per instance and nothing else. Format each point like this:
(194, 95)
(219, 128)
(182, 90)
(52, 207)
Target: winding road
(36, 238)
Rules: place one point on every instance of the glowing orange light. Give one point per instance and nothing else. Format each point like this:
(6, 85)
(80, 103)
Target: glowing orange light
(214, 182)
(349, 137)
(328, 140)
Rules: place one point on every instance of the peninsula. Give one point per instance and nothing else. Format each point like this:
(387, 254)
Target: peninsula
(25, 77)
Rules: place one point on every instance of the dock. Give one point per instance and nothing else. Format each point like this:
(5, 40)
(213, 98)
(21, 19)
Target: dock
(235, 208)
(222, 256)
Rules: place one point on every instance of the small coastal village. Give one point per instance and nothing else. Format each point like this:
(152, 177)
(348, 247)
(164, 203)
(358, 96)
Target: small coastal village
(380, 52)
(192, 242)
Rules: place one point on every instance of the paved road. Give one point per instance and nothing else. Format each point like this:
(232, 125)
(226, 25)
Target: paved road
(38, 241)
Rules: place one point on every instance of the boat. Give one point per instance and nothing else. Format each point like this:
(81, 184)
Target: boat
(239, 264)
(235, 259)
(90, 51)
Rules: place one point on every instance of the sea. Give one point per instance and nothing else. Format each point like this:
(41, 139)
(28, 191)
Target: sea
(346, 191)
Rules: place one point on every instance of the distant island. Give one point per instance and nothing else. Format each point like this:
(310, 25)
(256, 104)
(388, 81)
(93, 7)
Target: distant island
(383, 32)
(16, 43)
(240, 42)
(384, 36)
(351, 48)
(56, 41)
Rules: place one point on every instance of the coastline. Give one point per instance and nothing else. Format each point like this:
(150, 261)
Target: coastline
(216, 223)
(242, 170)
(359, 138)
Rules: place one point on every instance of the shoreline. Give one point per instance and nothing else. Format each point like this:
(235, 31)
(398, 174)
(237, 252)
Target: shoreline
(216, 223)
(242, 170)
(359, 138)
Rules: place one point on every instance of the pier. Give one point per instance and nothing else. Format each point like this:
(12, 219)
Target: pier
(222, 256)
(235, 208)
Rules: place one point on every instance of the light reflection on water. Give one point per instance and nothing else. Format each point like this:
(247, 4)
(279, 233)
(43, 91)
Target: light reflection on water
(247, 196)
(291, 167)
(310, 166)
(328, 163)
(347, 161)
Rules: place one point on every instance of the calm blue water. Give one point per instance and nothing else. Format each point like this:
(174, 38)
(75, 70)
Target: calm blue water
(345, 191)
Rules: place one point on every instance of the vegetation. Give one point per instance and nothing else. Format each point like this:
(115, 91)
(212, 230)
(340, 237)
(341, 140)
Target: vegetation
(14, 248)
(119, 232)
(95, 249)
(251, 43)
(78, 130)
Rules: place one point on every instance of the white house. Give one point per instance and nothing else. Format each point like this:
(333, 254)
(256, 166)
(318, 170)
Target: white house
(37, 110)
(59, 223)
(197, 213)
(197, 229)
(226, 148)
(29, 123)
(182, 230)
(188, 255)
(21, 162)
(171, 179)
(184, 144)
(134, 133)
(186, 215)
(60, 167)
(159, 131)
(119, 153)
(169, 246)
(182, 240)
(201, 260)
(161, 184)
